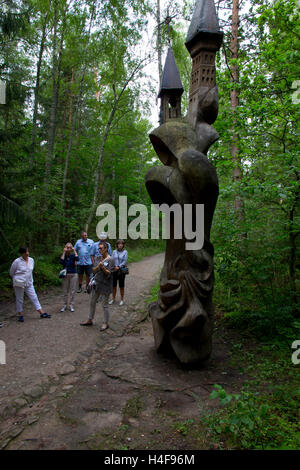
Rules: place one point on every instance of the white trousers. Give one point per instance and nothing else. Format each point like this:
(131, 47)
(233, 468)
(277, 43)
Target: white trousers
(30, 291)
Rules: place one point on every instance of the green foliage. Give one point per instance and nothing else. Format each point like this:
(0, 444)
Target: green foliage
(142, 248)
(183, 427)
(133, 407)
(257, 277)
(246, 422)
(46, 271)
(92, 66)
(264, 414)
(252, 421)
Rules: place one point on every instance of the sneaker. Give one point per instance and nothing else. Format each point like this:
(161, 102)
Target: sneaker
(63, 309)
(72, 308)
(112, 301)
(121, 303)
(21, 318)
(79, 290)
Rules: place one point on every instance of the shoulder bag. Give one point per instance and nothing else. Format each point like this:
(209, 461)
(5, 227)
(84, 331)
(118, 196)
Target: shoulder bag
(123, 269)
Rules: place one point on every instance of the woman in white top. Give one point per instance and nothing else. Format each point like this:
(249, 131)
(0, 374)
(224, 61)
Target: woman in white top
(21, 273)
(120, 257)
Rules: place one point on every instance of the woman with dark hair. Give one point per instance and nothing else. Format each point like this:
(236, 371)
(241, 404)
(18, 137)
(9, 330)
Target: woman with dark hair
(102, 285)
(120, 257)
(21, 273)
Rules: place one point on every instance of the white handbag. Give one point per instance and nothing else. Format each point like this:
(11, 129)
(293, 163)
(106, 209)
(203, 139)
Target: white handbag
(19, 283)
(62, 274)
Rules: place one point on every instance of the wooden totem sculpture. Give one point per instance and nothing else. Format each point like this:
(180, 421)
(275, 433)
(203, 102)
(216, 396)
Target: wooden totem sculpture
(182, 317)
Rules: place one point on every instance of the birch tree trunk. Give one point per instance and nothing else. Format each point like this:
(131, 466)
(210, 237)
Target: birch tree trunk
(36, 94)
(234, 102)
(158, 40)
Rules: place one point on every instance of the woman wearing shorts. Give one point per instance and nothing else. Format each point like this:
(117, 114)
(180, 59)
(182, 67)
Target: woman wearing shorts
(120, 257)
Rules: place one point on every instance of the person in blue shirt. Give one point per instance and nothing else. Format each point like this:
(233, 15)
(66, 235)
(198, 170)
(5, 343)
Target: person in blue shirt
(95, 250)
(84, 246)
(68, 260)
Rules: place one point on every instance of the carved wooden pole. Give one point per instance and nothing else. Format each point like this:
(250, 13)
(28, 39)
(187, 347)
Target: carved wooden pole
(182, 317)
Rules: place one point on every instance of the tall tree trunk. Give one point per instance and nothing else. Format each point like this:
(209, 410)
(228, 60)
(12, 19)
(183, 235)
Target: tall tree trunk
(70, 118)
(36, 94)
(53, 109)
(158, 40)
(113, 190)
(56, 68)
(60, 55)
(234, 102)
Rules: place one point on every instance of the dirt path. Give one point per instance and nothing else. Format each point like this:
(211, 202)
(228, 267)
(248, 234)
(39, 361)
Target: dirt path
(69, 387)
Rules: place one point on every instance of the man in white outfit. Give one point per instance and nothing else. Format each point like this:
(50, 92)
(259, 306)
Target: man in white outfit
(21, 273)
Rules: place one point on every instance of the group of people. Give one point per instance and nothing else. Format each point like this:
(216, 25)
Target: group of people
(103, 269)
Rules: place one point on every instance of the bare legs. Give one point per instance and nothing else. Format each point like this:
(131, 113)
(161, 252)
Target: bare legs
(114, 293)
(122, 290)
(80, 279)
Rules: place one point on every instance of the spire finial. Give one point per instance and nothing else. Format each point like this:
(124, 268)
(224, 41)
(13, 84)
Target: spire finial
(204, 23)
(171, 90)
(203, 40)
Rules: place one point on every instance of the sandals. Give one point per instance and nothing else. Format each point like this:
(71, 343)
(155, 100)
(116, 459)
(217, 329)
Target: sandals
(87, 323)
(104, 327)
(45, 315)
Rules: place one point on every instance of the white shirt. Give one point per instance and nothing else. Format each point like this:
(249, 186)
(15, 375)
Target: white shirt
(21, 272)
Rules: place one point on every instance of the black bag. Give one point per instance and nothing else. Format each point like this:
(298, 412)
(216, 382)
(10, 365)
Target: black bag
(124, 270)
